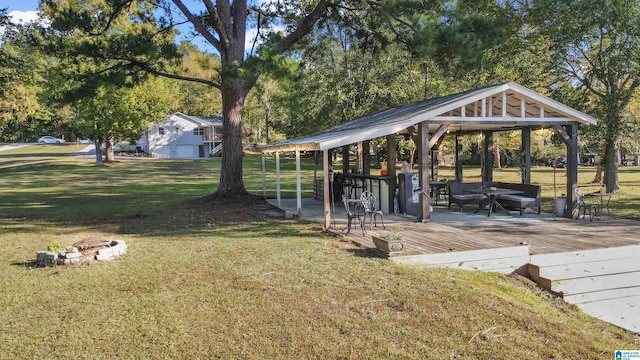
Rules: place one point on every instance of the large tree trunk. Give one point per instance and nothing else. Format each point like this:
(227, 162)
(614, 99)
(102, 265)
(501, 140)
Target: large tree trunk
(98, 145)
(233, 96)
(109, 156)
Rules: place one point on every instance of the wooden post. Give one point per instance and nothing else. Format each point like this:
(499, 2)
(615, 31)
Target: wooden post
(298, 185)
(572, 167)
(526, 150)
(325, 186)
(264, 176)
(423, 147)
(487, 170)
(366, 157)
(459, 157)
(345, 159)
(391, 169)
(278, 197)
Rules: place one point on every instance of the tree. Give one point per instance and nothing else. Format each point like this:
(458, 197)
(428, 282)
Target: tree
(123, 113)
(595, 45)
(85, 30)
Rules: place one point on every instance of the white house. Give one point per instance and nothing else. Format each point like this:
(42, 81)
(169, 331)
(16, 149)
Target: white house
(183, 137)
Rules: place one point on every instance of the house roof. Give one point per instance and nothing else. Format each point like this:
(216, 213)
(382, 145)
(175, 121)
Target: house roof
(200, 120)
(501, 106)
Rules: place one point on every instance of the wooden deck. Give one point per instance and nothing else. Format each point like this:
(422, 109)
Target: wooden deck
(453, 231)
(545, 234)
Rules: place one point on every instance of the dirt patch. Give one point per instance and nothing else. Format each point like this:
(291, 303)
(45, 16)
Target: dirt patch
(235, 209)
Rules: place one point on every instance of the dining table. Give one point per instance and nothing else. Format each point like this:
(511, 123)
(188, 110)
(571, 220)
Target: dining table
(492, 194)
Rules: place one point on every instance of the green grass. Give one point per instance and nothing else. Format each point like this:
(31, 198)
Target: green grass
(204, 281)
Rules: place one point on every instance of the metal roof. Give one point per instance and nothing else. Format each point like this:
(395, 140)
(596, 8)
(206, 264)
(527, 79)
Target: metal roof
(495, 107)
(200, 120)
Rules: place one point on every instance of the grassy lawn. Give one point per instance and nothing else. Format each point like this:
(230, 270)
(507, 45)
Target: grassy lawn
(205, 280)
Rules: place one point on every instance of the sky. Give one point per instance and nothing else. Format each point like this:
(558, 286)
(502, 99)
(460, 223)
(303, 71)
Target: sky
(21, 10)
(26, 11)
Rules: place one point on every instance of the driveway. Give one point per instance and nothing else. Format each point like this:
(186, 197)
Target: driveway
(14, 146)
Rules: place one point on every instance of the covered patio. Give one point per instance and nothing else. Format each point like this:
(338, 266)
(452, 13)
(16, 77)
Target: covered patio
(499, 107)
(590, 264)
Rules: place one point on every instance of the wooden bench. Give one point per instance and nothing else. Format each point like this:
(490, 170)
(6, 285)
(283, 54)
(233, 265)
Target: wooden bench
(531, 197)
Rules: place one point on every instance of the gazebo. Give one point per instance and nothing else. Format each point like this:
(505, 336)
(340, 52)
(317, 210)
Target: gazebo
(499, 107)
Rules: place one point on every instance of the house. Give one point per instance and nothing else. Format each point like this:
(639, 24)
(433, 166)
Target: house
(183, 136)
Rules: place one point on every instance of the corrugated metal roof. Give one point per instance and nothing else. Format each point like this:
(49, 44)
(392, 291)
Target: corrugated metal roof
(445, 110)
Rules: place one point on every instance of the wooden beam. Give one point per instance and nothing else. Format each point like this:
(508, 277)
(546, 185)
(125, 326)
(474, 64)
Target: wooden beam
(526, 150)
(345, 159)
(436, 136)
(366, 157)
(566, 139)
(459, 157)
(523, 108)
(509, 120)
(504, 104)
(391, 168)
(263, 164)
(298, 185)
(572, 168)
(278, 196)
(487, 169)
(326, 187)
(425, 149)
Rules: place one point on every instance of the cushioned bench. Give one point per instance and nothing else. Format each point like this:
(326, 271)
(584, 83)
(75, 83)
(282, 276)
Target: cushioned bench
(531, 197)
(458, 194)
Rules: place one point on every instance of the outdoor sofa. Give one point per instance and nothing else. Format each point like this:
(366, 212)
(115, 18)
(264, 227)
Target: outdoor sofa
(531, 197)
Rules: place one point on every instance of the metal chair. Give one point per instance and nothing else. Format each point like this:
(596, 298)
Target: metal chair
(584, 206)
(369, 204)
(351, 215)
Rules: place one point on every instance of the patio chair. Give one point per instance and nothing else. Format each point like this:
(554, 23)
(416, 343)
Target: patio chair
(369, 204)
(351, 215)
(584, 206)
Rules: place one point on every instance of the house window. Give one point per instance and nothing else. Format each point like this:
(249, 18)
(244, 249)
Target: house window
(198, 131)
(161, 130)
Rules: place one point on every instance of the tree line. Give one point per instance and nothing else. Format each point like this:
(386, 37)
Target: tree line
(106, 68)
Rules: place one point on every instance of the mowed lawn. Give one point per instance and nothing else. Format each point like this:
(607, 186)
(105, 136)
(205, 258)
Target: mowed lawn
(204, 280)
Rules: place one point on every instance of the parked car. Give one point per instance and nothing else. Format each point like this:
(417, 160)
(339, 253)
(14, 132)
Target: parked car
(85, 141)
(50, 140)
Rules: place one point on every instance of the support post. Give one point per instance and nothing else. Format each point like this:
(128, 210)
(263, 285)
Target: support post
(298, 185)
(326, 187)
(391, 168)
(278, 197)
(264, 176)
(572, 168)
(424, 150)
(345, 159)
(569, 135)
(366, 157)
(487, 166)
(526, 150)
(459, 157)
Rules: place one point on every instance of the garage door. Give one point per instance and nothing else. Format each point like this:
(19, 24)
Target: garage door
(184, 152)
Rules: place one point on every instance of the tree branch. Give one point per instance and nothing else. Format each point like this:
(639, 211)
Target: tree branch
(148, 68)
(200, 28)
(303, 27)
(218, 23)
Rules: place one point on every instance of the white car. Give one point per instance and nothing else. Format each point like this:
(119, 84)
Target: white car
(50, 140)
